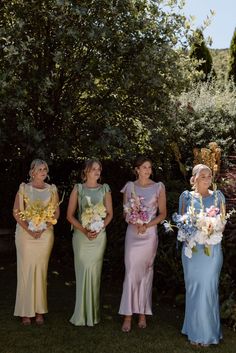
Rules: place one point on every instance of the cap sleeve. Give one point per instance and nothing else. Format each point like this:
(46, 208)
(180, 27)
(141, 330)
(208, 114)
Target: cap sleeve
(106, 188)
(159, 186)
(183, 202)
(21, 196)
(221, 197)
(53, 190)
(127, 188)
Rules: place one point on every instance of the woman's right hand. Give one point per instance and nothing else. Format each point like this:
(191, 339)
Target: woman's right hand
(90, 235)
(35, 235)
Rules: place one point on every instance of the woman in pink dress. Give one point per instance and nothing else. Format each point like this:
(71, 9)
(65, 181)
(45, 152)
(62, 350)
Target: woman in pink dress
(141, 245)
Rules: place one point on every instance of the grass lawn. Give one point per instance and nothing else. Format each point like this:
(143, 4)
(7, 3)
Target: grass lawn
(59, 336)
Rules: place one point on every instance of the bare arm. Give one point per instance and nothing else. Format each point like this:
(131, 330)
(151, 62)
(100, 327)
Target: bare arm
(162, 212)
(57, 212)
(125, 200)
(162, 209)
(23, 224)
(72, 207)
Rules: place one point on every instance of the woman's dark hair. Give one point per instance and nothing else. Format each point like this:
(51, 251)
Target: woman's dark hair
(88, 166)
(139, 161)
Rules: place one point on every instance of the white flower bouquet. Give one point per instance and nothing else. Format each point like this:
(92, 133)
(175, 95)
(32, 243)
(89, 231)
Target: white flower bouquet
(92, 217)
(204, 228)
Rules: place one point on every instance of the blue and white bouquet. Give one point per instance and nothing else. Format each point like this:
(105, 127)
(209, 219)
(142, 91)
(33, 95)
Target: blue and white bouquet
(204, 227)
(187, 228)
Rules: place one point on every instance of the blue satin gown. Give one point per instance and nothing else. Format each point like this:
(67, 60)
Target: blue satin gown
(201, 276)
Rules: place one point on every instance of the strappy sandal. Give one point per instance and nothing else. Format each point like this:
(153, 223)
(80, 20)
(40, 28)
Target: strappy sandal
(126, 327)
(142, 321)
(26, 321)
(39, 319)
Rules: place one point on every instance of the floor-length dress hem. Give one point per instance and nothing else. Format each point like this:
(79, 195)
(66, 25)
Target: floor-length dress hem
(201, 276)
(140, 252)
(32, 259)
(88, 262)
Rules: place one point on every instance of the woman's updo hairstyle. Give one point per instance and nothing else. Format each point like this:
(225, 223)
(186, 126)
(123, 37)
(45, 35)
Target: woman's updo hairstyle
(196, 172)
(88, 165)
(34, 166)
(139, 161)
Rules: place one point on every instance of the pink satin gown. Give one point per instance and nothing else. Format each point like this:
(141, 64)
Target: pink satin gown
(140, 252)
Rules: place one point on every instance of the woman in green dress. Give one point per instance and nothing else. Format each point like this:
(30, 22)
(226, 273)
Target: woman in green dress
(88, 244)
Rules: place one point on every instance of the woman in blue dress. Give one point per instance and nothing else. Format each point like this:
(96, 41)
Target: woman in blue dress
(202, 272)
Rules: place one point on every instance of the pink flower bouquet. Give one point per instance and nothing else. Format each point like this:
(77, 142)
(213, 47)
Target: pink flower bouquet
(136, 212)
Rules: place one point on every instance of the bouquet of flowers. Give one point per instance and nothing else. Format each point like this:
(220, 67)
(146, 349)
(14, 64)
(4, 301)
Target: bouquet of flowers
(92, 217)
(37, 214)
(210, 225)
(205, 228)
(186, 225)
(136, 212)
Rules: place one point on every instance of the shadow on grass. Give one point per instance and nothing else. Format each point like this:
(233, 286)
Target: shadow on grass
(59, 336)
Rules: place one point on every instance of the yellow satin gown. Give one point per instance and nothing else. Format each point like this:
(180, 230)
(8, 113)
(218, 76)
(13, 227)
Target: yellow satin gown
(32, 258)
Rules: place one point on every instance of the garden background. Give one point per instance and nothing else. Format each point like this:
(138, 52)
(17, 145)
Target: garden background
(113, 80)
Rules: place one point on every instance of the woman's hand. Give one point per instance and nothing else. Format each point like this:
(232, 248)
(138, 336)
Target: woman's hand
(49, 225)
(90, 235)
(35, 235)
(142, 228)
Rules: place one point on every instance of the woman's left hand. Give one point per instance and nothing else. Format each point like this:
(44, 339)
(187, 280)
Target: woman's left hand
(142, 228)
(91, 235)
(38, 234)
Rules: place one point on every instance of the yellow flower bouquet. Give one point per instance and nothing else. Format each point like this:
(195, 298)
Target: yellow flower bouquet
(37, 214)
(92, 217)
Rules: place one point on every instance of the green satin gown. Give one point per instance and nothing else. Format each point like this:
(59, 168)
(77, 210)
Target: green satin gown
(88, 260)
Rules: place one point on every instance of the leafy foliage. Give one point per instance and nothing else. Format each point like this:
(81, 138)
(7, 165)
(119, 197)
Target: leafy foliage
(232, 58)
(220, 58)
(86, 78)
(206, 113)
(200, 52)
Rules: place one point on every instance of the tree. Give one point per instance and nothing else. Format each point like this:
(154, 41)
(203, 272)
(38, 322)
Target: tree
(206, 113)
(232, 58)
(86, 78)
(200, 52)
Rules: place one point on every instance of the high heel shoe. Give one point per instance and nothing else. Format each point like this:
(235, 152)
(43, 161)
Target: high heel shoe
(126, 327)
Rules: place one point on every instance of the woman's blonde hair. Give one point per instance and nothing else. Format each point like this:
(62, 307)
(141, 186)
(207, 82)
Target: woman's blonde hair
(196, 172)
(34, 166)
(88, 166)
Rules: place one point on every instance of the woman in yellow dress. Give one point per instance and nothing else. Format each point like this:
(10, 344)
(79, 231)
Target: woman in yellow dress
(33, 246)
